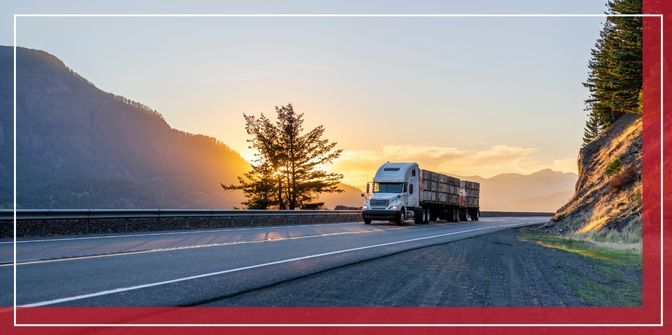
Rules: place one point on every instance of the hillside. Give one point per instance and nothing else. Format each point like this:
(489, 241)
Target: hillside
(78, 146)
(607, 203)
(542, 191)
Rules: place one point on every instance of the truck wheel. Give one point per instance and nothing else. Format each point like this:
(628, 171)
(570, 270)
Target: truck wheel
(402, 216)
(417, 216)
(367, 221)
(425, 216)
(463, 215)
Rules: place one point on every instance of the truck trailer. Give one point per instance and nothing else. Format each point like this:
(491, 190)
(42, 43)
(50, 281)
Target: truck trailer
(402, 191)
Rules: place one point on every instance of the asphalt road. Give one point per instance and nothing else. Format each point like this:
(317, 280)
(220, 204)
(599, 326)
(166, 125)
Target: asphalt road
(202, 267)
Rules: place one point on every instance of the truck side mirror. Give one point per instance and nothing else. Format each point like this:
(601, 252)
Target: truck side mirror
(398, 196)
(362, 194)
(367, 188)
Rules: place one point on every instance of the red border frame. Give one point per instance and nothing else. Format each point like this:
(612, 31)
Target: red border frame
(648, 313)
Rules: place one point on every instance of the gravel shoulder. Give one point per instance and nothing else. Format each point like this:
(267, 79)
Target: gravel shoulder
(516, 267)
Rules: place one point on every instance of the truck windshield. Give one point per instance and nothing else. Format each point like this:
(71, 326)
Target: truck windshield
(387, 187)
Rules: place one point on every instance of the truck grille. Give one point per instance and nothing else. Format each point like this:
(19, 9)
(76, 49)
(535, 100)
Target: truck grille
(379, 203)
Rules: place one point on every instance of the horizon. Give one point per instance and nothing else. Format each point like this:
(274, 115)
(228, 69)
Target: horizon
(206, 90)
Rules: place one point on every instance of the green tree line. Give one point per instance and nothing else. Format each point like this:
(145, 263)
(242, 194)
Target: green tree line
(615, 69)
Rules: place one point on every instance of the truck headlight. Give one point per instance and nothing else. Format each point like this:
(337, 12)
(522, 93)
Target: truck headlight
(394, 207)
(364, 207)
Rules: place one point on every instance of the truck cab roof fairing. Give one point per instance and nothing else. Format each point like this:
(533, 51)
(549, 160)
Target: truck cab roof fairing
(394, 172)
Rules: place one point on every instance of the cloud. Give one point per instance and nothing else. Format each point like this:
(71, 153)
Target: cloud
(359, 167)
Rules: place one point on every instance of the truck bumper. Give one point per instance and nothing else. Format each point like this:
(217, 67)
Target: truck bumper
(381, 214)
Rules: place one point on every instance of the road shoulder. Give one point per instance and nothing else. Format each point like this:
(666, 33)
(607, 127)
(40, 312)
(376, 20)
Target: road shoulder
(516, 267)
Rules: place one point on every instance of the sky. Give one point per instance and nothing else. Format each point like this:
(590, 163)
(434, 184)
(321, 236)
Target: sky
(466, 96)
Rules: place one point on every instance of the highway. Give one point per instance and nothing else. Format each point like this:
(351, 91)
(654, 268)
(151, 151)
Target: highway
(192, 268)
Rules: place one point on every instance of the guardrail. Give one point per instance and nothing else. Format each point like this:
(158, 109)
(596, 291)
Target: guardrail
(40, 222)
(50, 222)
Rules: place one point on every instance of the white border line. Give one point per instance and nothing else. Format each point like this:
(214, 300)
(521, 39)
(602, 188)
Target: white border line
(337, 15)
(662, 161)
(359, 16)
(14, 181)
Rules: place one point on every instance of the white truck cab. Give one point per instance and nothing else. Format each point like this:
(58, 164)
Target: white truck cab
(393, 192)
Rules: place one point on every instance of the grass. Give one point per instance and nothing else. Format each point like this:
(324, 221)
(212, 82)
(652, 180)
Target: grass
(612, 277)
(630, 237)
(628, 258)
(593, 293)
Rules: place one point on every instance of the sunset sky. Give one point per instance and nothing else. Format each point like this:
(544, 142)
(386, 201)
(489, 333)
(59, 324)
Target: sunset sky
(467, 96)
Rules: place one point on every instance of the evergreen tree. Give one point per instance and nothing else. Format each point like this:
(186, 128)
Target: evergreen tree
(615, 77)
(288, 169)
(592, 128)
(261, 185)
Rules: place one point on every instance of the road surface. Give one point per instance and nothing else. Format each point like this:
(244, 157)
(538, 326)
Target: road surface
(194, 268)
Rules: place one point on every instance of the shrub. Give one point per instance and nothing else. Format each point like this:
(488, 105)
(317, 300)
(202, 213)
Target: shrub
(621, 180)
(614, 167)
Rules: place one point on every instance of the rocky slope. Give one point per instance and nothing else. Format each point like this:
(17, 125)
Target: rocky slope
(607, 203)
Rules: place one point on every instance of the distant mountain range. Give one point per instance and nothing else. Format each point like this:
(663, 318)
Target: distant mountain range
(543, 191)
(81, 147)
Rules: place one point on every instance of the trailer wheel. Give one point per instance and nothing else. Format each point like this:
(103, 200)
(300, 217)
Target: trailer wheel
(477, 214)
(453, 215)
(463, 215)
(367, 221)
(449, 215)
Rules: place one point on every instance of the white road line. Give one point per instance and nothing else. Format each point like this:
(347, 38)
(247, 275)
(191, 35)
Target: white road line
(173, 233)
(188, 247)
(172, 281)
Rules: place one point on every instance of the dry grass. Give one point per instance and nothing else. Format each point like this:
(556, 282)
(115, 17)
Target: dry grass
(629, 238)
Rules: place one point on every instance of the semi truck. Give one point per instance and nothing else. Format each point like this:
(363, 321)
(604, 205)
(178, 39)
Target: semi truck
(403, 191)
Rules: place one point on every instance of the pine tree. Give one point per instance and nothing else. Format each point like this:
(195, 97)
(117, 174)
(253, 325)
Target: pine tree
(615, 77)
(287, 172)
(592, 128)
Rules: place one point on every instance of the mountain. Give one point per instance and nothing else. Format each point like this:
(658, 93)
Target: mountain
(81, 147)
(607, 202)
(78, 146)
(542, 191)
